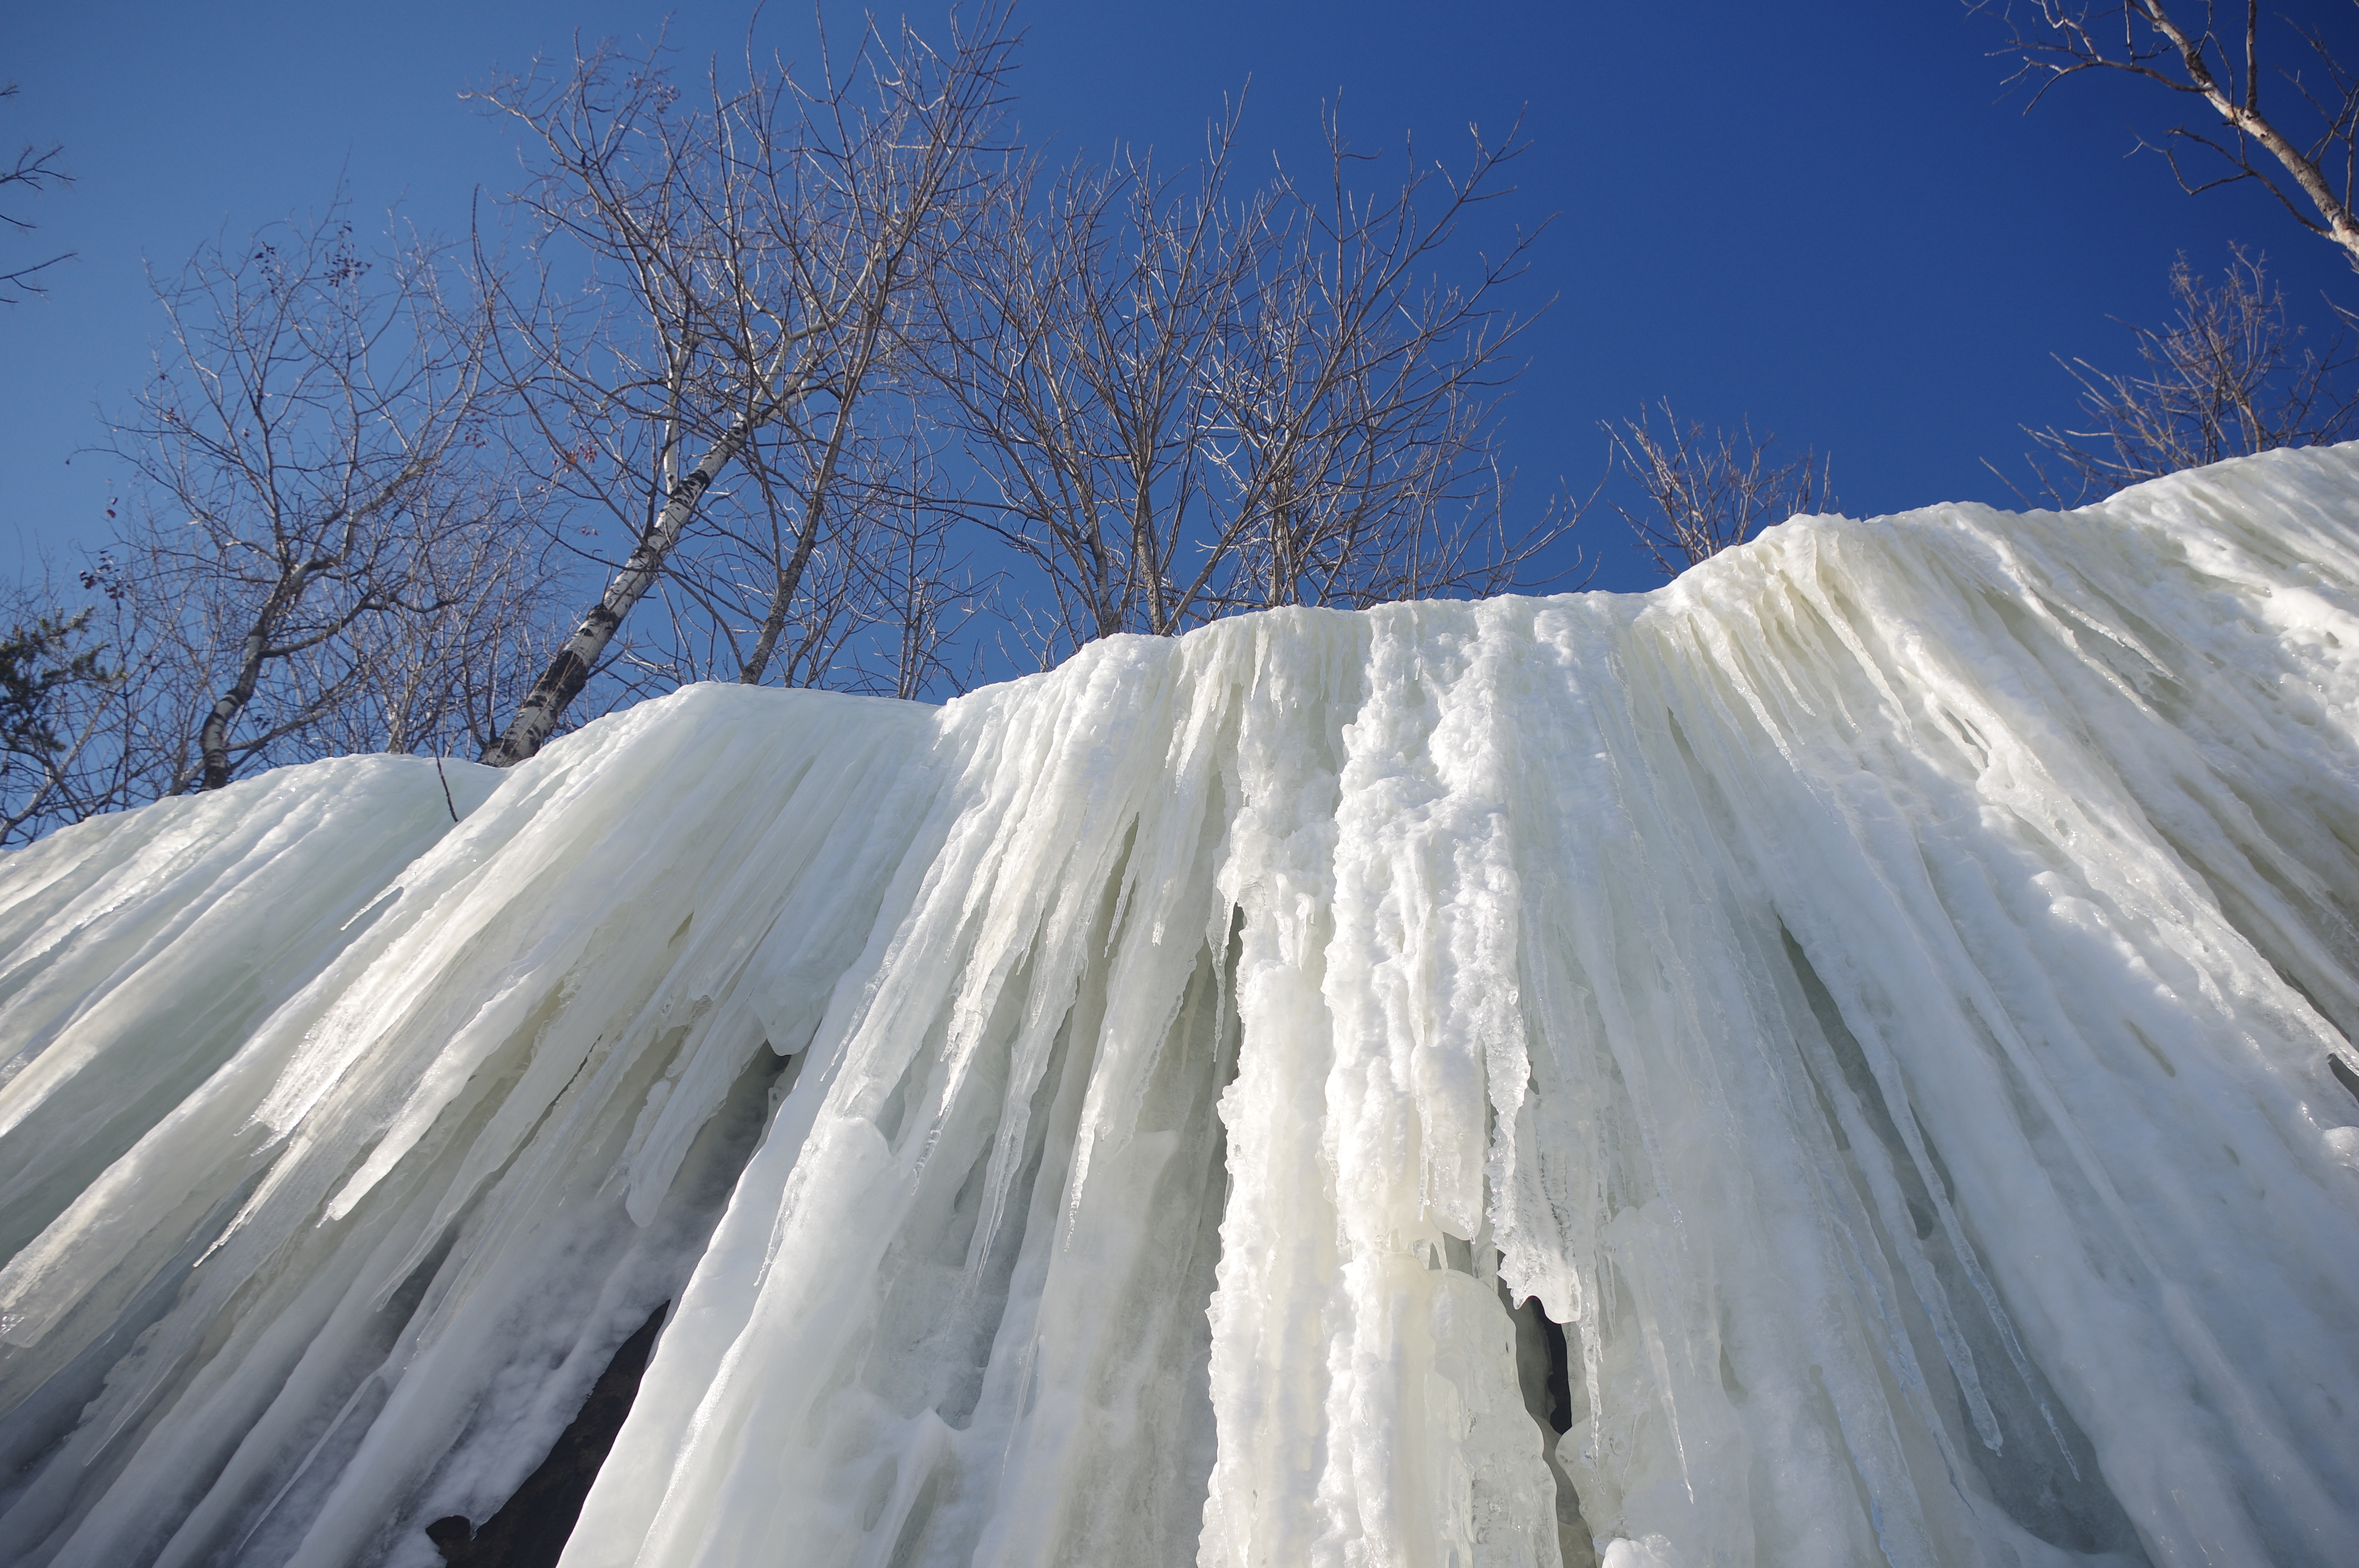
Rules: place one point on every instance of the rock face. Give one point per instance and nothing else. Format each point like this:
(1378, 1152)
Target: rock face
(531, 1528)
(1842, 1059)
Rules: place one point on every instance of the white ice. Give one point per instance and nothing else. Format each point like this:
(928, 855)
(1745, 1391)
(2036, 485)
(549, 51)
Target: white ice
(1876, 994)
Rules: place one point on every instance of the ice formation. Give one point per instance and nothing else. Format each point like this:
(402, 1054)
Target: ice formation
(1847, 1038)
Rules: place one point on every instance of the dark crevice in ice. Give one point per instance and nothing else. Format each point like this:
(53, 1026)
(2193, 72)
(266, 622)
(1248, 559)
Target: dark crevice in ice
(1560, 1376)
(531, 1528)
(1544, 1367)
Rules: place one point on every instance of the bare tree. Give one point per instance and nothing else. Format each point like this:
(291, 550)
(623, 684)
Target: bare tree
(443, 675)
(1191, 401)
(879, 591)
(1709, 491)
(911, 597)
(311, 450)
(751, 259)
(2229, 376)
(1351, 417)
(1071, 342)
(35, 168)
(921, 607)
(2311, 149)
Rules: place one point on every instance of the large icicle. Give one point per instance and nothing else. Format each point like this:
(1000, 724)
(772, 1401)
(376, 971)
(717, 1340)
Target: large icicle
(1878, 997)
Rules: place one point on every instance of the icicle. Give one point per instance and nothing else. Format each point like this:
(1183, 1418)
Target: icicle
(1842, 1059)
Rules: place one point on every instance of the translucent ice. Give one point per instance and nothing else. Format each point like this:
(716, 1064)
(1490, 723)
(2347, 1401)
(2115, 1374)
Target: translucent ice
(1831, 1062)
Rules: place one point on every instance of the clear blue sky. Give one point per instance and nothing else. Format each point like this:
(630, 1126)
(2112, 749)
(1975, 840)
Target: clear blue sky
(1825, 215)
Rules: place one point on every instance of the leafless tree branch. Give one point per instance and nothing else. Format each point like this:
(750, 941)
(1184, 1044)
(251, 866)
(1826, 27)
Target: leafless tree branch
(2053, 40)
(1709, 491)
(1191, 400)
(317, 509)
(2228, 375)
(751, 257)
(36, 169)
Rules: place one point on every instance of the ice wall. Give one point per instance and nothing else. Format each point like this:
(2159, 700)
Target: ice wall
(1846, 1037)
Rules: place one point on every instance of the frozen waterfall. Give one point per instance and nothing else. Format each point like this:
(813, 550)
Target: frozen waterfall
(1841, 1060)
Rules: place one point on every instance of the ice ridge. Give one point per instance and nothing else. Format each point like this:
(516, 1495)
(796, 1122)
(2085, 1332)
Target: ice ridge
(1840, 1060)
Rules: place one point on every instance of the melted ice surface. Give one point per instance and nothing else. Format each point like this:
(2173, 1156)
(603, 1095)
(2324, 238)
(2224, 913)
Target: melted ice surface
(1876, 993)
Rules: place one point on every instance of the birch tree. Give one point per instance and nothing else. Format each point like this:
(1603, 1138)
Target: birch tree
(750, 261)
(2276, 104)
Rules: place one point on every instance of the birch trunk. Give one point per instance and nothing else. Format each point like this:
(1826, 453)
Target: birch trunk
(213, 741)
(2338, 224)
(537, 717)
